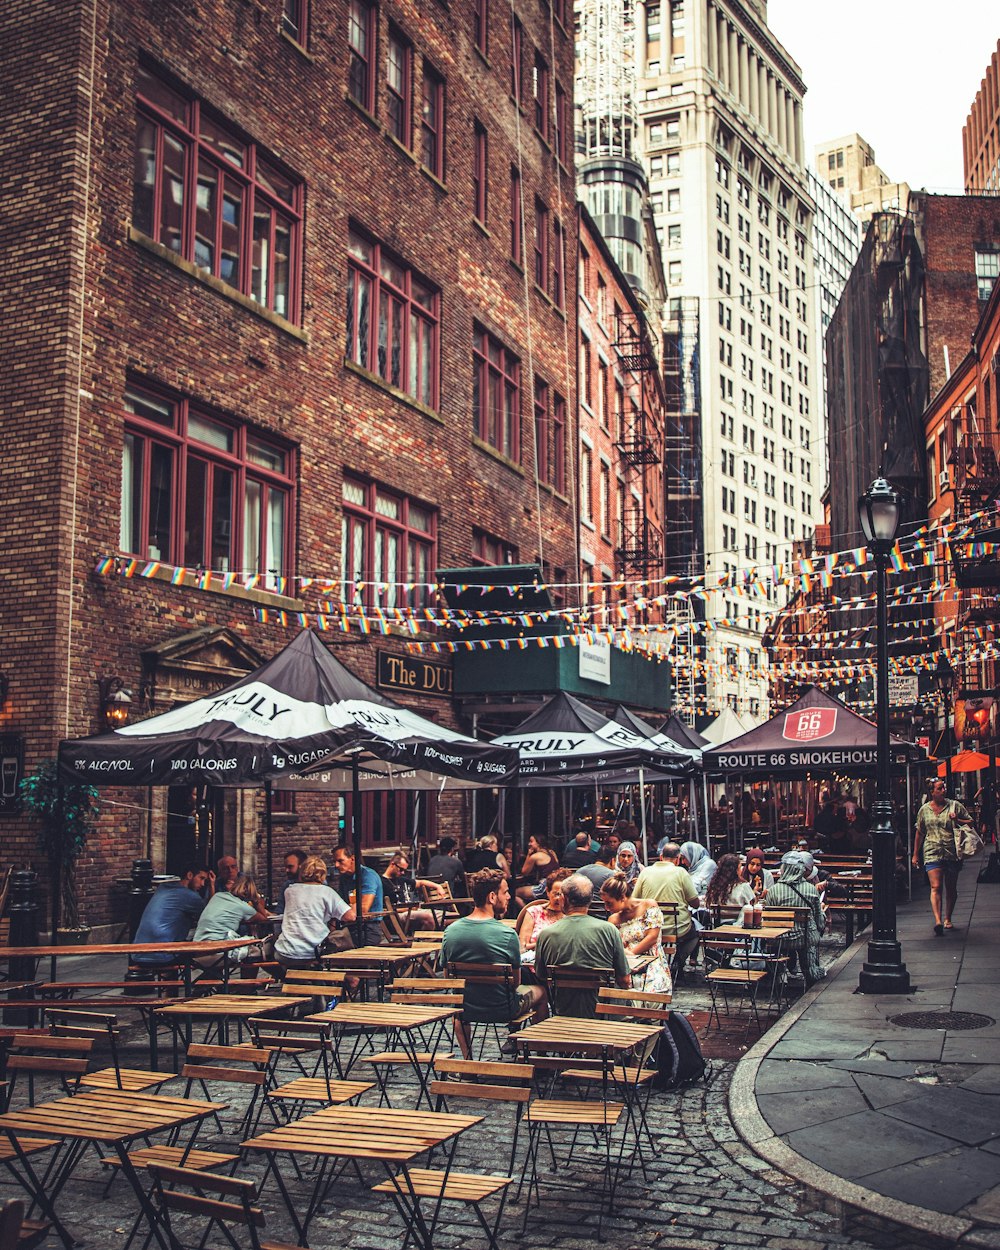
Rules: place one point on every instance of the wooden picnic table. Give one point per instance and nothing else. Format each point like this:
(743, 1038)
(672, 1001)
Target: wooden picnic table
(387, 1136)
(769, 933)
(386, 960)
(107, 1117)
(400, 1021)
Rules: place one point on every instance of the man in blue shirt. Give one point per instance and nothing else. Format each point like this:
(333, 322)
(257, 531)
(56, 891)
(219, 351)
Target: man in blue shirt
(371, 900)
(171, 914)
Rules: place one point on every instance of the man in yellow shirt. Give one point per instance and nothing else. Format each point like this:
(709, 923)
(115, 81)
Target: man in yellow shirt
(668, 883)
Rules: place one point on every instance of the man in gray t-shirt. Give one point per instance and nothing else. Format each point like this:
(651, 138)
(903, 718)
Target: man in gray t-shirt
(599, 871)
(580, 942)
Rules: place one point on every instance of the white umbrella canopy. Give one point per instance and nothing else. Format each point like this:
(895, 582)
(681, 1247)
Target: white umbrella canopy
(726, 726)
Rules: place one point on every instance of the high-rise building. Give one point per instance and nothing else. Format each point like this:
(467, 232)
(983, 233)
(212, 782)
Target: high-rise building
(836, 239)
(847, 165)
(981, 134)
(719, 104)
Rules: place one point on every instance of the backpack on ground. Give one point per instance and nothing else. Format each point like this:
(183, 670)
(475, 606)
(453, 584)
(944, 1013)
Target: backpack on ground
(679, 1059)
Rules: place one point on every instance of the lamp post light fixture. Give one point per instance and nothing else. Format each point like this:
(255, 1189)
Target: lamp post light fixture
(115, 700)
(945, 677)
(884, 971)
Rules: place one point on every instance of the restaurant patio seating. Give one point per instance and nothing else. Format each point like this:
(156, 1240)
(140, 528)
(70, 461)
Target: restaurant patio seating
(71, 1023)
(499, 976)
(16, 1232)
(737, 966)
(299, 1038)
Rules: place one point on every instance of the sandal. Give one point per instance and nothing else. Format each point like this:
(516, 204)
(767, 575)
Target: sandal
(938, 930)
(948, 925)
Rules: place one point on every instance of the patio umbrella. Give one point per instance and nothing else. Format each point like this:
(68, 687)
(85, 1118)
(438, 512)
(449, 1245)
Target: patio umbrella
(966, 762)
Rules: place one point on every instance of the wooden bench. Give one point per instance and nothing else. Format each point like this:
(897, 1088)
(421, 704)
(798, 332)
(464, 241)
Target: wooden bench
(856, 907)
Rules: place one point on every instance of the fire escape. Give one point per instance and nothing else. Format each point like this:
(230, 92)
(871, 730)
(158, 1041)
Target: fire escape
(975, 550)
(639, 552)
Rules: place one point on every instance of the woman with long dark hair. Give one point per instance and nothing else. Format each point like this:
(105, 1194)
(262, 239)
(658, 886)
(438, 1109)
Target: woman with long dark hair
(726, 889)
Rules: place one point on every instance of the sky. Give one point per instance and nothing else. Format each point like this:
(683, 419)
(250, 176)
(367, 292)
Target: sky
(901, 73)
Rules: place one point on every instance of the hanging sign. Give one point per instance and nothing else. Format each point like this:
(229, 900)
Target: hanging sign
(595, 660)
(904, 689)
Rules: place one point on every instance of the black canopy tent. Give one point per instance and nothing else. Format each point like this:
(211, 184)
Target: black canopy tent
(566, 743)
(300, 708)
(817, 734)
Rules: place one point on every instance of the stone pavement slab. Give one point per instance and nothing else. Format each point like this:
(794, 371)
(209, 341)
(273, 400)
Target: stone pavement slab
(912, 1142)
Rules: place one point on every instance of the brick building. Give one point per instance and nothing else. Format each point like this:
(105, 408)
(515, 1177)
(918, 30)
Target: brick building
(289, 277)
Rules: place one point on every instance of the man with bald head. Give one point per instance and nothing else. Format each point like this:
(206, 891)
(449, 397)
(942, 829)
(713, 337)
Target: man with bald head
(583, 942)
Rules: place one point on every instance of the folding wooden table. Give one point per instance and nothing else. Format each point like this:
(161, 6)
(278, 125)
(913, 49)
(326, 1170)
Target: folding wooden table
(391, 1137)
(106, 1117)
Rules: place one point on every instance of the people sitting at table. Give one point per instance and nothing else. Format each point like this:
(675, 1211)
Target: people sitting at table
(793, 889)
(580, 852)
(447, 867)
(538, 916)
(602, 867)
(756, 875)
(830, 827)
(580, 942)
(293, 866)
(699, 864)
(640, 923)
(399, 890)
(627, 863)
(371, 901)
(171, 913)
(311, 910)
(667, 882)
(230, 913)
(487, 854)
(227, 869)
(726, 889)
(539, 861)
(482, 938)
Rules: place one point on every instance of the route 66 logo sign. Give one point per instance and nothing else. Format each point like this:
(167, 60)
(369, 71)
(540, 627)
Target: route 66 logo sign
(810, 724)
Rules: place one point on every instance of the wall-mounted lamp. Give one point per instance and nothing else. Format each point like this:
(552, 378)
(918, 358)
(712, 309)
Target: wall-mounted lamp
(116, 701)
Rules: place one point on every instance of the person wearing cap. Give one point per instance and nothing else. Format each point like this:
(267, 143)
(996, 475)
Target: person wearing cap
(794, 889)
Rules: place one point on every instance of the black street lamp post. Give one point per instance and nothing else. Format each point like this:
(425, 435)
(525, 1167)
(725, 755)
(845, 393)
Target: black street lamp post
(944, 675)
(884, 971)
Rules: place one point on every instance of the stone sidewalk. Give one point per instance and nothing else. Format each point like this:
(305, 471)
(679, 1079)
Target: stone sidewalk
(895, 1128)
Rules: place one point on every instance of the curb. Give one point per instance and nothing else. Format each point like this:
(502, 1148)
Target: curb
(888, 1222)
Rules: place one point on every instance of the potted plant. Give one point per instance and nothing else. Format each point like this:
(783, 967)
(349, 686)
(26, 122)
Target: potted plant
(65, 809)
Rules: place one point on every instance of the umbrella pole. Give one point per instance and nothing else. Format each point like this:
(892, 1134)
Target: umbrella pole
(909, 830)
(415, 837)
(269, 837)
(359, 923)
(642, 808)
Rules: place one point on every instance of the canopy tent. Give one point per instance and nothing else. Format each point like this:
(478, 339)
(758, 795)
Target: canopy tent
(967, 762)
(726, 726)
(816, 733)
(659, 736)
(565, 742)
(300, 708)
(682, 734)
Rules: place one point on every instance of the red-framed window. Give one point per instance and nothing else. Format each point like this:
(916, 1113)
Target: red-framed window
(295, 20)
(558, 450)
(516, 217)
(516, 58)
(542, 443)
(488, 549)
(398, 88)
(387, 817)
(558, 264)
(392, 320)
(496, 394)
(481, 25)
(559, 11)
(480, 172)
(561, 124)
(540, 94)
(541, 244)
(432, 123)
(586, 483)
(389, 546)
(361, 48)
(214, 198)
(203, 491)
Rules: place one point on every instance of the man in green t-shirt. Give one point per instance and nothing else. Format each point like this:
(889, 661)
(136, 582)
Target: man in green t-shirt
(580, 941)
(667, 882)
(480, 938)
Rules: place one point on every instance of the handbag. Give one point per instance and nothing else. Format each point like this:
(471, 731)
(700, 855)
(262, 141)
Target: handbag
(967, 840)
(335, 941)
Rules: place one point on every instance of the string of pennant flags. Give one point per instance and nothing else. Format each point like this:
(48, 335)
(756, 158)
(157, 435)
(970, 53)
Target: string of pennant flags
(920, 549)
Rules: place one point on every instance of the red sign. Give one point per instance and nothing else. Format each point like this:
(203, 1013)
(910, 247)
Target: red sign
(809, 725)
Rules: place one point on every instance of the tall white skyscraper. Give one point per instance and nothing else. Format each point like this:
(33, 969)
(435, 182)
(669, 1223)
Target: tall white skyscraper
(719, 106)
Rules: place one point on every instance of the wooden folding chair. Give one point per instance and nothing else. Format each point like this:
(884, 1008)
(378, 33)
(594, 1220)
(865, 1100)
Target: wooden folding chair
(298, 1038)
(187, 1194)
(738, 967)
(71, 1022)
(497, 976)
(16, 1232)
(64, 1058)
(565, 981)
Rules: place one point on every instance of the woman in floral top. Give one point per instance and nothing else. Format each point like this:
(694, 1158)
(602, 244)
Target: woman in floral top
(639, 920)
(936, 847)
